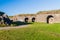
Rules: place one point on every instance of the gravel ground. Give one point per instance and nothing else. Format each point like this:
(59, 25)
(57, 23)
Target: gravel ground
(8, 28)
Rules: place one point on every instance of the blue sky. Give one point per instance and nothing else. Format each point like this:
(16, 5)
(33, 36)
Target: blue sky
(13, 7)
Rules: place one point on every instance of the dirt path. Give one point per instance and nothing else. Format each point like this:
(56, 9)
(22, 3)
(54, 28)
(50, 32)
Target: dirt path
(8, 28)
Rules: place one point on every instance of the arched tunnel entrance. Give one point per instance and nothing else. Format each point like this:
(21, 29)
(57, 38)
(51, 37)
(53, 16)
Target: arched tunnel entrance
(26, 19)
(50, 19)
(33, 19)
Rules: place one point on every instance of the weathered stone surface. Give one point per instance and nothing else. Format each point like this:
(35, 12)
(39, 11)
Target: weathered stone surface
(46, 16)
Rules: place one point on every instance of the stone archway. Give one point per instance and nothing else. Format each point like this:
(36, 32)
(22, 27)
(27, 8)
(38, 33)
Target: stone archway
(26, 19)
(50, 19)
(33, 19)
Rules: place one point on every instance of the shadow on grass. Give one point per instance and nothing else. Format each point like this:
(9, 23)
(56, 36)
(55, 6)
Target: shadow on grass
(17, 23)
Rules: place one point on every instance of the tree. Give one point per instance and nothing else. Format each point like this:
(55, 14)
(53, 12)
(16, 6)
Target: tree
(4, 18)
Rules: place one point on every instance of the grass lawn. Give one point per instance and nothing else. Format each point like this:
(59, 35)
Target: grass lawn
(36, 31)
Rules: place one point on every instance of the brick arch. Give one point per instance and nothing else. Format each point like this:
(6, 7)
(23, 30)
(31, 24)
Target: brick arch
(50, 19)
(33, 19)
(26, 19)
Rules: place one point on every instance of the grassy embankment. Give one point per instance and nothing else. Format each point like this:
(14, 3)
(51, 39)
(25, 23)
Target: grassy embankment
(36, 31)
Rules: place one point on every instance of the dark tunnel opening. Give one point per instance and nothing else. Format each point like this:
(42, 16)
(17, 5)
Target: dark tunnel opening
(48, 17)
(33, 19)
(26, 19)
